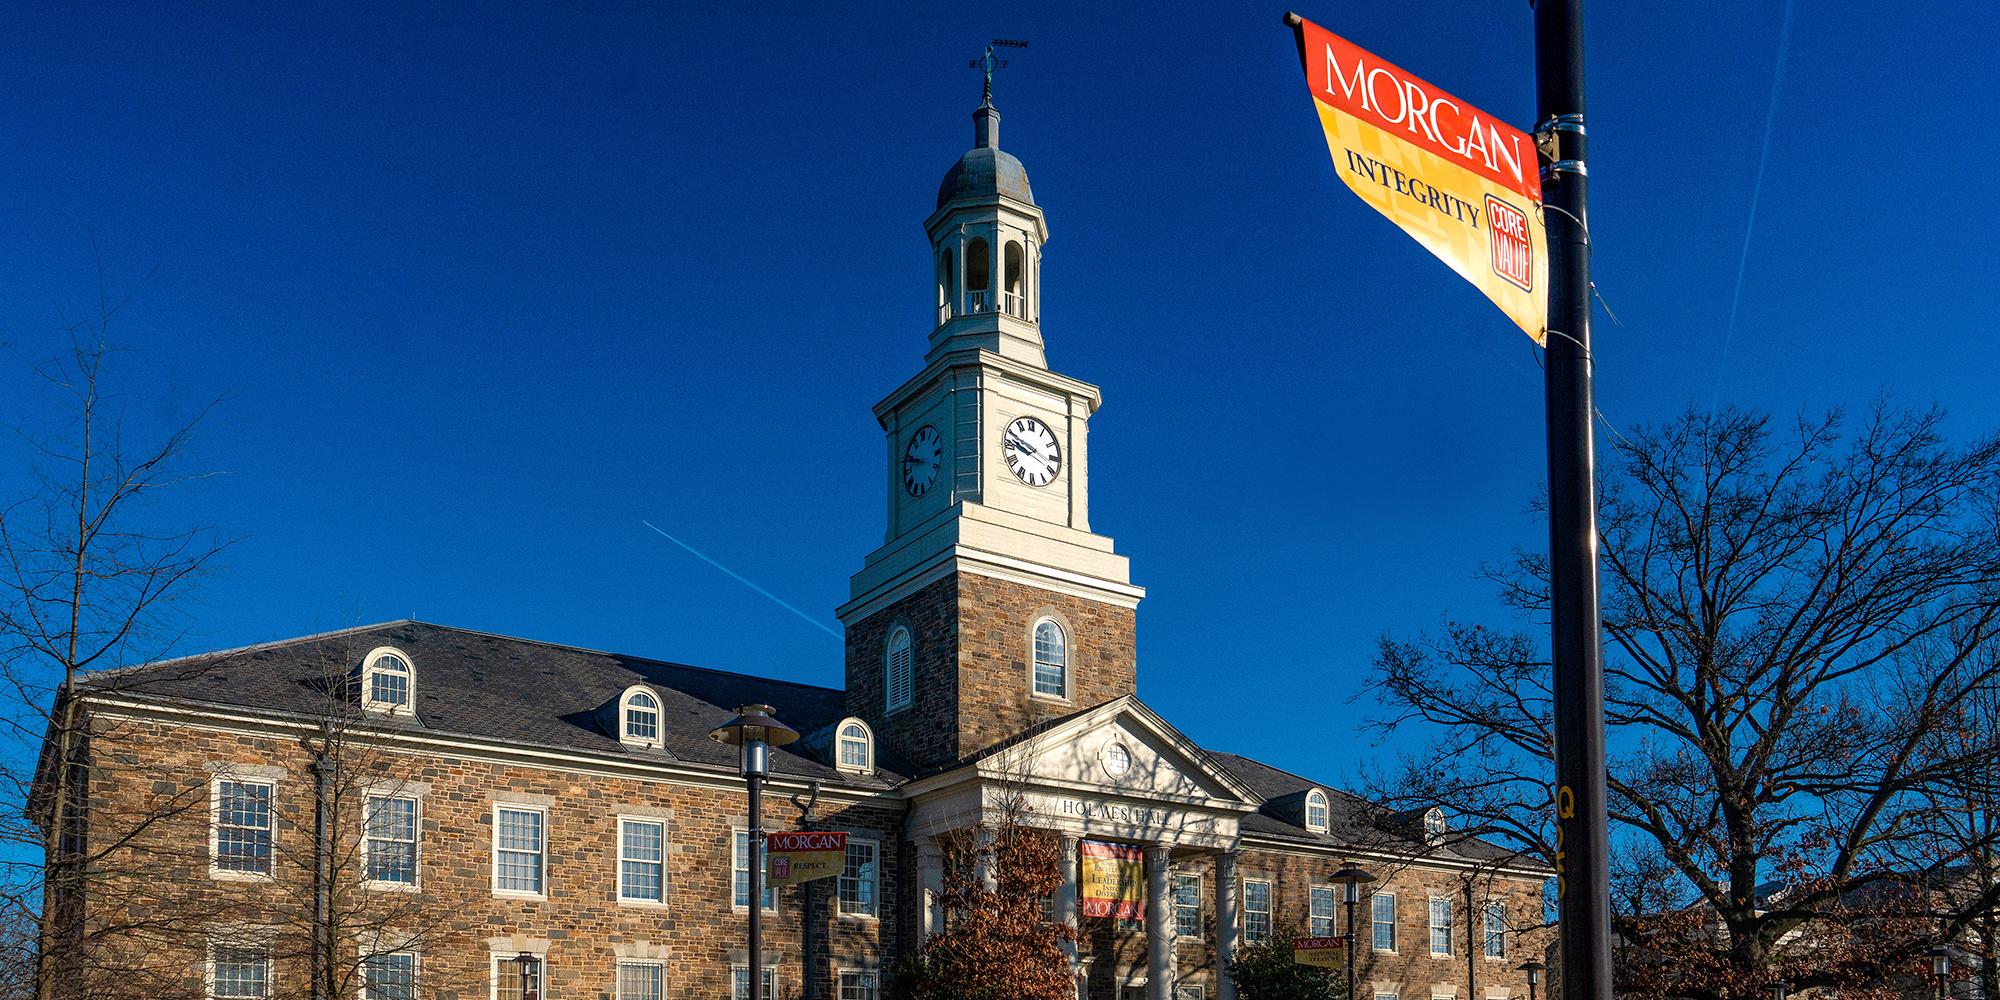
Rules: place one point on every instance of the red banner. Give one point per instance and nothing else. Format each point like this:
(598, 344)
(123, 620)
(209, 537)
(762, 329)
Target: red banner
(1113, 882)
(801, 857)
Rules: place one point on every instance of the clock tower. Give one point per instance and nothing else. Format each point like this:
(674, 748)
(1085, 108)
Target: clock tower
(990, 605)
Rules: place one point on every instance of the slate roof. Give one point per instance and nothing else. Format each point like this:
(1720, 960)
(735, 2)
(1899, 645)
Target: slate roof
(1351, 819)
(497, 687)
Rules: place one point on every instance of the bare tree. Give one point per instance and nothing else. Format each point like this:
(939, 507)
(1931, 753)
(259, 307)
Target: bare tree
(1792, 619)
(90, 577)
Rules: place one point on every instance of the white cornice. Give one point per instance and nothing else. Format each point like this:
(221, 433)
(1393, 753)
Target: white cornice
(940, 369)
(960, 558)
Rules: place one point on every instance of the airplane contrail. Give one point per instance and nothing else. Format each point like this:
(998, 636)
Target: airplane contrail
(746, 583)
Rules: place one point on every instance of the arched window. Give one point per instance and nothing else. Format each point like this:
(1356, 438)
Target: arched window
(638, 717)
(1316, 811)
(896, 681)
(1012, 300)
(1434, 826)
(947, 286)
(978, 265)
(1051, 660)
(856, 747)
(388, 682)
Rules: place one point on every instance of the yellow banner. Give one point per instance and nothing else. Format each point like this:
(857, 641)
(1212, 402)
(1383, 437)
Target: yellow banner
(1463, 185)
(1114, 880)
(1325, 952)
(791, 858)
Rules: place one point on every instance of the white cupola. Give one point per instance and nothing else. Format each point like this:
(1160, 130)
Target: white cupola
(986, 241)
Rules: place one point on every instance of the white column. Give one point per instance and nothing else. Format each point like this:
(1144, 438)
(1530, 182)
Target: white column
(1226, 924)
(983, 845)
(930, 872)
(1159, 927)
(1066, 896)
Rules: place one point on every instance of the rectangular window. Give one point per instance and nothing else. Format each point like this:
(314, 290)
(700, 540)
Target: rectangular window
(857, 881)
(740, 975)
(1320, 922)
(857, 986)
(240, 972)
(392, 839)
(517, 849)
(1440, 926)
(642, 866)
(1187, 993)
(1383, 908)
(389, 977)
(243, 827)
(1187, 906)
(385, 688)
(1496, 930)
(743, 873)
(507, 983)
(642, 981)
(1256, 911)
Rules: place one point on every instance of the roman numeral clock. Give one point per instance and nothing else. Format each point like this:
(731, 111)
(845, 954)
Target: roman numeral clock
(1033, 454)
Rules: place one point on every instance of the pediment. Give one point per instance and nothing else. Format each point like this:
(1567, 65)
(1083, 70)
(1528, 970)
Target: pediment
(1066, 775)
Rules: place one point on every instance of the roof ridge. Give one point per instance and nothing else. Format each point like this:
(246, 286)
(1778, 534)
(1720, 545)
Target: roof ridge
(251, 648)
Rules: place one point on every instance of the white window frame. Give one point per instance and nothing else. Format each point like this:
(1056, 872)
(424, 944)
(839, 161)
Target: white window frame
(368, 840)
(1375, 922)
(496, 958)
(893, 699)
(1316, 798)
(867, 765)
(1489, 934)
(1035, 662)
(624, 723)
(1331, 893)
(623, 860)
(1249, 934)
(736, 867)
(636, 963)
(1440, 933)
(215, 869)
(1174, 882)
(873, 883)
(245, 948)
(770, 981)
(542, 853)
(416, 970)
(408, 673)
(1189, 991)
(874, 988)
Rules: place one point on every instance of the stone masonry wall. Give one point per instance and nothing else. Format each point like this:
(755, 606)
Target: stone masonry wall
(162, 881)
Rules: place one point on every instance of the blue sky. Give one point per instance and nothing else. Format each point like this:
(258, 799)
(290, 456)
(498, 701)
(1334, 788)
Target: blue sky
(494, 284)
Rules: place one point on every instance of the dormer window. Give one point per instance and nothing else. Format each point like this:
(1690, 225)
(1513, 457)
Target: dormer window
(1434, 825)
(388, 682)
(854, 747)
(639, 715)
(1316, 811)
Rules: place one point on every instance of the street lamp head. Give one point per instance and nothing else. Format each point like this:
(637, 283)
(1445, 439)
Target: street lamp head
(531, 967)
(1534, 968)
(755, 732)
(1941, 958)
(1353, 878)
(1780, 990)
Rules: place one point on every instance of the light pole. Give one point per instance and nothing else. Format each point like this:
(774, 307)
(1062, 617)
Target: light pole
(754, 732)
(1781, 990)
(1352, 877)
(1941, 957)
(1534, 968)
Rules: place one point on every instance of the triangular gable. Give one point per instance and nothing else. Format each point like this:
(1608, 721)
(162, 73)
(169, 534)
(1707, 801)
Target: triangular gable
(1076, 753)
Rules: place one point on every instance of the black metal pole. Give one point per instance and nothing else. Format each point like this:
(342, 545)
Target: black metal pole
(756, 886)
(1583, 843)
(1353, 890)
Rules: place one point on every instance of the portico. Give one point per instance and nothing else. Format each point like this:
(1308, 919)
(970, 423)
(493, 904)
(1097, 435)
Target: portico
(1117, 774)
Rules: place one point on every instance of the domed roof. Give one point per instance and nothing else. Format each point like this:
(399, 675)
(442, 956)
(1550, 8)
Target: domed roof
(983, 173)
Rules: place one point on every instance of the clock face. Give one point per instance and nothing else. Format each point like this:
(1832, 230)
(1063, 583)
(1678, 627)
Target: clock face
(920, 461)
(1032, 452)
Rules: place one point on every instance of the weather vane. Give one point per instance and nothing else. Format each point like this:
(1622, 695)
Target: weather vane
(989, 64)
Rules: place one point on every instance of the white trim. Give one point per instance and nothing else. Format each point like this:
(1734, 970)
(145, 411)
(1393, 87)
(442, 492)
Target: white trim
(493, 854)
(215, 870)
(1269, 911)
(742, 829)
(261, 948)
(1173, 905)
(1054, 617)
(1325, 811)
(409, 674)
(874, 886)
(361, 969)
(874, 990)
(867, 766)
(666, 850)
(889, 703)
(770, 972)
(1394, 944)
(1431, 924)
(618, 976)
(623, 723)
(416, 842)
(1333, 916)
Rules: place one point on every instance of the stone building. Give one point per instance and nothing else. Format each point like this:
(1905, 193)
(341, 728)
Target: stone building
(416, 807)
